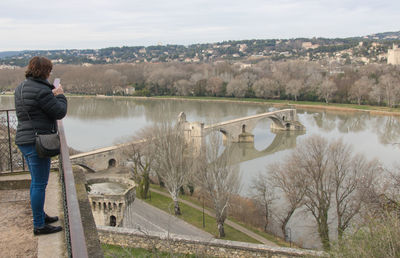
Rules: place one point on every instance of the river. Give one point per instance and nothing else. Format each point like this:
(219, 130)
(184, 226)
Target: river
(94, 122)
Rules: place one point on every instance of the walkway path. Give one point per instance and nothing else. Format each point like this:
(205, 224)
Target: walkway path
(227, 221)
(144, 217)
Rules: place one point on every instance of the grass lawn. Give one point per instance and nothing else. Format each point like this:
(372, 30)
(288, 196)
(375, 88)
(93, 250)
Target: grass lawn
(195, 217)
(272, 238)
(194, 200)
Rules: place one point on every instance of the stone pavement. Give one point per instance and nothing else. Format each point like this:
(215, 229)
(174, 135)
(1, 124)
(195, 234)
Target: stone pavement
(16, 236)
(227, 221)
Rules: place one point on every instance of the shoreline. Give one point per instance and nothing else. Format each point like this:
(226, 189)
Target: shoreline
(330, 107)
(283, 103)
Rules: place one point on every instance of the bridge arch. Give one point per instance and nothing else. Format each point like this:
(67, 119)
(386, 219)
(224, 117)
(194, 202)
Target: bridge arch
(88, 169)
(225, 134)
(112, 163)
(263, 135)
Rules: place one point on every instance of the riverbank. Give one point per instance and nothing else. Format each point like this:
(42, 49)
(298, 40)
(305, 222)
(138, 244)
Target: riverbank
(372, 110)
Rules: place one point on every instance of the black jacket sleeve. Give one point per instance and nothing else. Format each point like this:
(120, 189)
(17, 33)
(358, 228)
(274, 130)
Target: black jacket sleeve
(54, 106)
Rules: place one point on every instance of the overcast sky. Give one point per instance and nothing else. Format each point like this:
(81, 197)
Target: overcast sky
(45, 24)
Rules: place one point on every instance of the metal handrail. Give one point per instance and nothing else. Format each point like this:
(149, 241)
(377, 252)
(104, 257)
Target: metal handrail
(76, 242)
(9, 152)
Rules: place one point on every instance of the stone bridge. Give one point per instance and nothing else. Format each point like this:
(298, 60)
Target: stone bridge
(100, 159)
(236, 130)
(239, 130)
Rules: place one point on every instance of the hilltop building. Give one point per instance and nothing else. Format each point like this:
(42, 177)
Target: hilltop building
(394, 55)
(308, 45)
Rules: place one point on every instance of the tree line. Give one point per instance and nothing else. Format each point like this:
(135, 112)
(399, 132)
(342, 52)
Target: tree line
(373, 84)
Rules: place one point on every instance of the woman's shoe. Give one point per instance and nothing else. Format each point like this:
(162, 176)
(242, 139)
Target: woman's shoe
(48, 219)
(46, 229)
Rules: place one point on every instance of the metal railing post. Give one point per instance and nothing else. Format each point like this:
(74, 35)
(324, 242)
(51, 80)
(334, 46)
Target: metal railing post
(9, 141)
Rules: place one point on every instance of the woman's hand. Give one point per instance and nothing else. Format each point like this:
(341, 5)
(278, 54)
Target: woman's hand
(57, 91)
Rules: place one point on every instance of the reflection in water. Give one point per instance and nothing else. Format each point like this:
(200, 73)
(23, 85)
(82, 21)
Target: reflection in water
(241, 152)
(388, 130)
(91, 108)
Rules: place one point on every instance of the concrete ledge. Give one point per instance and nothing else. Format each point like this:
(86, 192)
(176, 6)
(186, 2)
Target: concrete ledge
(192, 245)
(13, 181)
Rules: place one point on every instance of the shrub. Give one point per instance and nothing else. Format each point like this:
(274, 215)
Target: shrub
(379, 237)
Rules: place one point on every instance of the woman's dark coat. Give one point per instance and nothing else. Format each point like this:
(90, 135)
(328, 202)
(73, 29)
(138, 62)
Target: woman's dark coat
(43, 107)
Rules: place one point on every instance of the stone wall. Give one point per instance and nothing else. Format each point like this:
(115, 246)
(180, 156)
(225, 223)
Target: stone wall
(89, 226)
(192, 245)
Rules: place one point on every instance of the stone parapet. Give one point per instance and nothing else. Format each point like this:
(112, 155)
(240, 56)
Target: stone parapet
(173, 243)
(89, 226)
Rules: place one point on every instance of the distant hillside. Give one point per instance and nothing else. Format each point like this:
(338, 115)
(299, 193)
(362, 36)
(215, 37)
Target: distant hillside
(385, 35)
(367, 49)
(9, 53)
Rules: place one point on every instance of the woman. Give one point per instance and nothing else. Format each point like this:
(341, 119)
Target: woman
(38, 105)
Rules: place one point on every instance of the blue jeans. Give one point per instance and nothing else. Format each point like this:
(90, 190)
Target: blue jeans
(40, 170)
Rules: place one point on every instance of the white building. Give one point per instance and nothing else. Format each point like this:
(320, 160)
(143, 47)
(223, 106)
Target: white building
(394, 55)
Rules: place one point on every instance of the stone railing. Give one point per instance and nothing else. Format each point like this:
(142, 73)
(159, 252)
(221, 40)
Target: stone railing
(80, 229)
(172, 243)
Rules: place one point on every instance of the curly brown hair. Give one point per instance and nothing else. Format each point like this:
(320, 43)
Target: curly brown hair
(39, 67)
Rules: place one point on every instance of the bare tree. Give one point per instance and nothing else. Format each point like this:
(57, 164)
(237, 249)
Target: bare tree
(184, 88)
(248, 77)
(325, 173)
(266, 88)
(294, 88)
(314, 76)
(140, 156)
(173, 158)
(312, 159)
(327, 89)
(218, 178)
(360, 89)
(286, 177)
(215, 86)
(389, 84)
(237, 88)
(263, 193)
(352, 177)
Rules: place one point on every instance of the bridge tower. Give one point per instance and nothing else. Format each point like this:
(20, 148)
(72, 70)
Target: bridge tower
(109, 209)
(193, 131)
